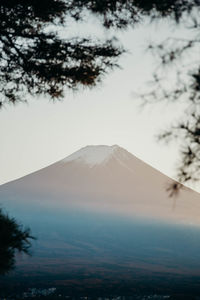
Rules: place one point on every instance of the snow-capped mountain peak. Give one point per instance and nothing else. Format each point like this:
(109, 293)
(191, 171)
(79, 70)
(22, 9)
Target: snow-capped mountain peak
(93, 155)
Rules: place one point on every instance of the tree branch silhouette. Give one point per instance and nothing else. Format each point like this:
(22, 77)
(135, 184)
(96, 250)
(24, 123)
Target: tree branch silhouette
(14, 238)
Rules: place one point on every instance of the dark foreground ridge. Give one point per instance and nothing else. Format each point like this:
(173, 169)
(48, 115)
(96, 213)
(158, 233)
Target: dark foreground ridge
(54, 294)
(94, 286)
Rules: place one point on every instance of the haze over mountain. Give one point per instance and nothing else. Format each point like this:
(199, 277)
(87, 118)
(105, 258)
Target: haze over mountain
(103, 219)
(107, 179)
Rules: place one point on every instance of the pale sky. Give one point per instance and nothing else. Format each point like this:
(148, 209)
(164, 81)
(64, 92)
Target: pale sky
(40, 133)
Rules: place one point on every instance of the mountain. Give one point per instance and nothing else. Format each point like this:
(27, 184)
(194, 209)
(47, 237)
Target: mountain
(107, 179)
(104, 221)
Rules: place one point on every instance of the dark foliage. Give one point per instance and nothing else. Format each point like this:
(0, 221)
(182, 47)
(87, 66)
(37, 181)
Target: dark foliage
(179, 58)
(121, 13)
(34, 59)
(13, 238)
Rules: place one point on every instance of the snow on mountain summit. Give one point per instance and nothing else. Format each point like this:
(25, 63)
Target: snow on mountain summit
(93, 155)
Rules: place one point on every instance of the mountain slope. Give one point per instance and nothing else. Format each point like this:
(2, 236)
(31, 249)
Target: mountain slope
(104, 179)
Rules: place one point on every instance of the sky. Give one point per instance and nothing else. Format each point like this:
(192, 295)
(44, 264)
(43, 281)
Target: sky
(41, 132)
